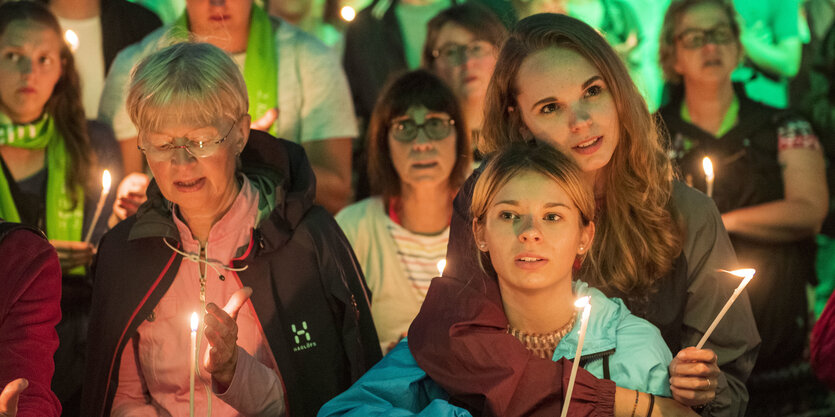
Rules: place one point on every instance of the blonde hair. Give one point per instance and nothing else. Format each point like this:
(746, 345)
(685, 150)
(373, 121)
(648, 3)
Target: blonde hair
(198, 80)
(667, 44)
(519, 158)
(637, 236)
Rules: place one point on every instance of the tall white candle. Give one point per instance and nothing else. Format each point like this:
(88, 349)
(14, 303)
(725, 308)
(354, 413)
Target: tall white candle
(746, 274)
(709, 175)
(105, 190)
(583, 303)
(192, 363)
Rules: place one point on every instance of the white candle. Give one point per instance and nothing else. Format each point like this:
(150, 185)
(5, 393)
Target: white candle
(72, 40)
(746, 274)
(192, 359)
(709, 176)
(441, 267)
(105, 190)
(583, 303)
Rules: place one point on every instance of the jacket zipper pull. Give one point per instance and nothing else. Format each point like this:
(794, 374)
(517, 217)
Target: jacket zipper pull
(354, 303)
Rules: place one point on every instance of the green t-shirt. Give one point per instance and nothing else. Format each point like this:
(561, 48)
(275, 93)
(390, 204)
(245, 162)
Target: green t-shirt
(413, 20)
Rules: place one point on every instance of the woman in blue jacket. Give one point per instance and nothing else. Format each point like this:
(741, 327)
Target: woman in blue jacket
(533, 225)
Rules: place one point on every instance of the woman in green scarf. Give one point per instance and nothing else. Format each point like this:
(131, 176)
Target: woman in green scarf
(51, 161)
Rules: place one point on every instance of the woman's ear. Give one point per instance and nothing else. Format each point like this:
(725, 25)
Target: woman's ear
(244, 127)
(478, 234)
(586, 238)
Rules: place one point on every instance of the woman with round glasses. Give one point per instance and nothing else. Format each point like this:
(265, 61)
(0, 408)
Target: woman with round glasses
(419, 154)
(229, 216)
(461, 46)
(769, 184)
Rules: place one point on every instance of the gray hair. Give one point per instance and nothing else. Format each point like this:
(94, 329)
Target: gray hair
(198, 81)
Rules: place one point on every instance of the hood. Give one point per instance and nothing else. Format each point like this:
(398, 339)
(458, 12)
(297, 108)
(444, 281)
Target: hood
(279, 169)
(601, 332)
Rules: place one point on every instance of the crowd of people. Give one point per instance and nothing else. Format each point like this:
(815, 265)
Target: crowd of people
(250, 208)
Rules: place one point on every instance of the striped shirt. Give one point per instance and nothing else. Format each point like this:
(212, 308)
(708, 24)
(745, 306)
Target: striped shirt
(419, 254)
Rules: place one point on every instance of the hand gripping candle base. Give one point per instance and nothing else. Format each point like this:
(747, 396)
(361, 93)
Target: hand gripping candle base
(746, 274)
(583, 303)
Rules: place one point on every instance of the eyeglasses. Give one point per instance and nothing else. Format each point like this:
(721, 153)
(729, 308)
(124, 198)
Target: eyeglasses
(435, 128)
(196, 146)
(457, 54)
(696, 38)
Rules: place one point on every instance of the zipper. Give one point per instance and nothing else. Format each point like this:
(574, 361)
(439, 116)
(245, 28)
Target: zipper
(586, 359)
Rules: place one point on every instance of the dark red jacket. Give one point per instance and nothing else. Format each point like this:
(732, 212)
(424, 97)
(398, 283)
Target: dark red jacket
(30, 278)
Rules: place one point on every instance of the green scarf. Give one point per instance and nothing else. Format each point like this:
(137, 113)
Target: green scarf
(63, 221)
(261, 65)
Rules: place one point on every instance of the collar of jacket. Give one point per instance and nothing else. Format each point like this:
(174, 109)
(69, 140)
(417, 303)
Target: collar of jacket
(264, 160)
(601, 331)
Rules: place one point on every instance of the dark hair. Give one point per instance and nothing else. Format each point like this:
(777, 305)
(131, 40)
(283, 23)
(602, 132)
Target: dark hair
(477, 19)
(667, 44)
(64, 105)
(413, 88)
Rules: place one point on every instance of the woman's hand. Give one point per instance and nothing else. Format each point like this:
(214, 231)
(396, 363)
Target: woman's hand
(10, 396)
(130, 195)
(693, 376)
(222, 333)
(73, 254)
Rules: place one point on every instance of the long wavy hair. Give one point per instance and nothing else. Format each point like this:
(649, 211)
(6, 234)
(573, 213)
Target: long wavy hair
(638, 236)
(64, 105)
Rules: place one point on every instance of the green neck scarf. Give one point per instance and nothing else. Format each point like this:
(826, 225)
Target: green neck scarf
(261, 65)
(63, 221)
(728, 122)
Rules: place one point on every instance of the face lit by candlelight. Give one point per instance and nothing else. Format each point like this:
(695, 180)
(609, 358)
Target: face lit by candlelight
(533, 232)
(30, 66)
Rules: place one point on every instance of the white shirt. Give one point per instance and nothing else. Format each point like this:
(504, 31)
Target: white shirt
(89, 60)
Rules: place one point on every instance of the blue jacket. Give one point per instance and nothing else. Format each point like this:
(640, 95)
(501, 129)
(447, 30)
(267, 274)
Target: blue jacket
(637, 359)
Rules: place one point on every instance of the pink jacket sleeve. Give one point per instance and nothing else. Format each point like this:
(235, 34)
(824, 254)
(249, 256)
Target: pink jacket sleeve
(30, 276)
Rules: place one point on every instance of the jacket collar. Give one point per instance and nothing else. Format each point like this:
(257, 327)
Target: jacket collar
(601, 332)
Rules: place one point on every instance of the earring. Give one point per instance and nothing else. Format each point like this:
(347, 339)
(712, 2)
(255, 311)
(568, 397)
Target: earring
(482, 245)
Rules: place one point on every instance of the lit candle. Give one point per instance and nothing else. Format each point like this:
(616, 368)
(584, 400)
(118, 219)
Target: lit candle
(72, 40)
(583, 303)
(441, 266)
(105, 189)
(192, 356)
(348, 13)
(709, 177)
(746, 275)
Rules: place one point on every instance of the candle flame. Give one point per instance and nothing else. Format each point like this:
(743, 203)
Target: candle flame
(746, 274)
(441, 266)
(708, 166)
(105, 181)
(348, 13)
(194, 321)
(72, 39)
(582, 302)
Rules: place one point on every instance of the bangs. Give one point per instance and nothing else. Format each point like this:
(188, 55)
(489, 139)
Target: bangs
(154, 115)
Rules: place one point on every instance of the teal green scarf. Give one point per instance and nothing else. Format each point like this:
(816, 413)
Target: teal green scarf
(63, 221)
(261, 65)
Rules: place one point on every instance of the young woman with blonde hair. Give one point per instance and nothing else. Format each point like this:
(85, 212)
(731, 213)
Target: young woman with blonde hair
(659, 247)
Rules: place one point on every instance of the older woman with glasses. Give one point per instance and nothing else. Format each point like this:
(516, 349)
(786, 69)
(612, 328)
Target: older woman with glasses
(418, 157)
(461, 47)
(229, 216)
(769, 185)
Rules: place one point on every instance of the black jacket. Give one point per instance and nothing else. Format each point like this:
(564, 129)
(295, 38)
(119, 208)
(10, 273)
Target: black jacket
(749, 174)
(300, 267)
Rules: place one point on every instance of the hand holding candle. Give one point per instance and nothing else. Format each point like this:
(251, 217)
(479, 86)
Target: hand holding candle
(709, 176)
(105, 190)
(746, 274)
(221, 357)
(583, 303)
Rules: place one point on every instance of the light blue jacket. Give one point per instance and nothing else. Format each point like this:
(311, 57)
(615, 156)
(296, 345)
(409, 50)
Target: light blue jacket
(396, 386)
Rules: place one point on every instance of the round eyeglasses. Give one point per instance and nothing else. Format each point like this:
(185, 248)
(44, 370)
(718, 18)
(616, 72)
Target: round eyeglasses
(160, 148)
(435, 128)
(456, 54)
(696, 38)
